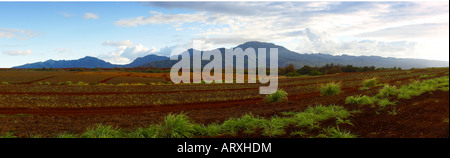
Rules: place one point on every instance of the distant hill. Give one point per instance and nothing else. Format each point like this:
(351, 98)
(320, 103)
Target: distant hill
(86, 62)
(285, 57)
(91, 62)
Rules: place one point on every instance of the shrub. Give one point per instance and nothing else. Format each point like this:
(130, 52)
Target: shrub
(279, 96)
(330, 89)
(293, 74)
(5, 83)
(315, 73)
(47, 83)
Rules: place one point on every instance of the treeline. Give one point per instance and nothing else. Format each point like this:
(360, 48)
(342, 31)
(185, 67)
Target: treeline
(327, 69)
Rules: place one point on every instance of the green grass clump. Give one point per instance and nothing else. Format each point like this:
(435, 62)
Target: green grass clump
(5, 83)
(426, 76)
(330, 89)
(384, 102)
(370, 83)
(176, 126)
(336, 132)
(279, 96)
(149, 132)
(360, 100)
(66, 135)
(275, 126)
(210, 130)
(417, 88)
(312, 115)
(81, 83)
(247, 123)
(102, 131)
(387, 91)
(8, 135)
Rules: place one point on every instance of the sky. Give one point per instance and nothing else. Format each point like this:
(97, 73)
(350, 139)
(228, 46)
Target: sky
(119, 32)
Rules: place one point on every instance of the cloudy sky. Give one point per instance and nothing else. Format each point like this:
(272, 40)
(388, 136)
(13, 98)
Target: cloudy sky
(119, 32)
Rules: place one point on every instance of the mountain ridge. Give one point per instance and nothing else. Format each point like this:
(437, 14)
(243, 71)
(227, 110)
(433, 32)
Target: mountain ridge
(285, 57)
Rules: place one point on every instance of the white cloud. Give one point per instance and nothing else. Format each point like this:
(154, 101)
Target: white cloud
(17, 33)
(125, 51)
(17, 53)
(313, 41)
(120, 43)
(66, 15)
(90, 16)
(359, 28)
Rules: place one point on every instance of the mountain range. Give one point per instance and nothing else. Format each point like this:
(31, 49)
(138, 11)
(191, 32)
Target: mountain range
(285, 57)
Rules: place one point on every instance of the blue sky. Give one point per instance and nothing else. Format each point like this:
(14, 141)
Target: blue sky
(119, 32)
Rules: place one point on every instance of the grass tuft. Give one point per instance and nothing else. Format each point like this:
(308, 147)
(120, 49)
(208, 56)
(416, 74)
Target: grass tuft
(279, 96)
(330, 89)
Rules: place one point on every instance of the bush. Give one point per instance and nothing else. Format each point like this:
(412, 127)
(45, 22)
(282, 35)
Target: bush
(279, 96)
(330, 89)
(293, 74)
(315, 73)
(5, 83)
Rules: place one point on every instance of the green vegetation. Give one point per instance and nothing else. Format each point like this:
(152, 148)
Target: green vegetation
(417, 88)
(102, 131)
(427, 76)
(382, 98)
(331, 68)
(4, 83)
(279, 96)
(335, 132)
(370, 83)
(8, 135)
(387, 91)
(180, 126)
(330, 89)
(360, 100)
(176, 126)
(384, 102)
